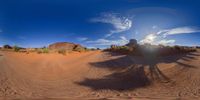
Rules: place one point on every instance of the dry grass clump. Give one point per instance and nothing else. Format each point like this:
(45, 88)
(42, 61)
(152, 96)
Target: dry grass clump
(16, 48)
(92, 49)
(42, 50)
(79, 49)
(62, 51)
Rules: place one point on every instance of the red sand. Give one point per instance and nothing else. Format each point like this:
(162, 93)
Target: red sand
(97, 75)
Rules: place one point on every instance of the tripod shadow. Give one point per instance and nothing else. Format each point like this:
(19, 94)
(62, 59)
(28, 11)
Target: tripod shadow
(129, 72)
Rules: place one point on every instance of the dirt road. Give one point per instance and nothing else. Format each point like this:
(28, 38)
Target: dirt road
(97, 75)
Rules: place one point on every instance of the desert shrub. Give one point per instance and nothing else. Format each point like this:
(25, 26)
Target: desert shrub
(177, 47)
(87, 49)
(92, 49)
(43, 50)
(79, 49)
(98, 49)
(62, 51)
(119, 49)
(112, 47)
(23, 50)
(198, 47)
(39, 51)
(16, 48)
(124, 48)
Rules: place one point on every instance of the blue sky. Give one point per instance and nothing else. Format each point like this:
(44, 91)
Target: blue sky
(99, 23)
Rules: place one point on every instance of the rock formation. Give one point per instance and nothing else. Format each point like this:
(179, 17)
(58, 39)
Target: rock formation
(65, 46)
(7, 47)
(132, 43)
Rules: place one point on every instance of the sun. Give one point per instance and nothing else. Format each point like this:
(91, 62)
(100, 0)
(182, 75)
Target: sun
(150, 38)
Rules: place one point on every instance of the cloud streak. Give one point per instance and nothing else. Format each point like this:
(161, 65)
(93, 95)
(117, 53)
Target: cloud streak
(82, 39)
(106, 42)
(166, 42)
(120, 24)
(179, 30)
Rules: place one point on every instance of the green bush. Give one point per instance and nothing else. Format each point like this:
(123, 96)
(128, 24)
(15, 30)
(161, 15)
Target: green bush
(45, 50)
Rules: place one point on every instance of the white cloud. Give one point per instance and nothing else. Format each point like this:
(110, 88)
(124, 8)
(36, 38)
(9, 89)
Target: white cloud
(154, 26)
(122, 41)
(166, 42)
(119, 23)
(82, 39)
(123, 38)
(156, 39)
(108, 35)
(91, 47)
(179, 30)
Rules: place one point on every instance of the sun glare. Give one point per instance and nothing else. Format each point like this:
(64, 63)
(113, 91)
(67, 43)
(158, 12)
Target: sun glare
(150, 38)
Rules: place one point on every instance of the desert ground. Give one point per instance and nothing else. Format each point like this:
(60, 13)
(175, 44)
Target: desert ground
(99, 75)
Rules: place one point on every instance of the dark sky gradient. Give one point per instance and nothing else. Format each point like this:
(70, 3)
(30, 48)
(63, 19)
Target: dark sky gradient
(37, 23)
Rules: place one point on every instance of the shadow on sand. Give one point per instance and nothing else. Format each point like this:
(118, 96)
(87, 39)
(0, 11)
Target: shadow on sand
(129, 72)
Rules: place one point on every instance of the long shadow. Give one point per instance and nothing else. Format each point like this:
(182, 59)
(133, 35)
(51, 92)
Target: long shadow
(120, 81)
(129, 71)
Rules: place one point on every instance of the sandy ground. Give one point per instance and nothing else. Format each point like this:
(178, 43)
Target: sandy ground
(98, 75)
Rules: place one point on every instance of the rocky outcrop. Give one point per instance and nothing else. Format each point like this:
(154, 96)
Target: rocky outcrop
(65, 46)
(7, 47)
(132, 43)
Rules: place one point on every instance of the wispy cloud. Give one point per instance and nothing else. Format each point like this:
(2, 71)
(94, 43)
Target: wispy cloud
(119, 23)
(106, 42)
(166, 42)
(160, 36)
(82, 38)
(157, 39)
(179, 30)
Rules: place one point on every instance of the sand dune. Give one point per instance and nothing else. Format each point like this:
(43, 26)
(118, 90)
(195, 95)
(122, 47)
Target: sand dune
(98, 75)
